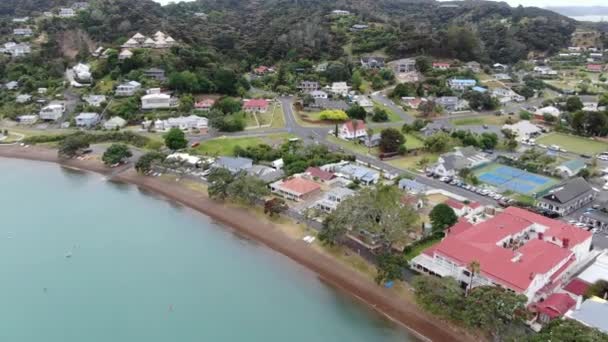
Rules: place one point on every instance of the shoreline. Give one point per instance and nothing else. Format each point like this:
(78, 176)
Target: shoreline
(423, 326)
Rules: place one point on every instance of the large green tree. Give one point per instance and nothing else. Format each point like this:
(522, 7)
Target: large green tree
(219, 180)
(145, 162)
(567, 330)
(115, 154)
(440, 296)
(175, 139)
(72, 145)
(390, 140)
(442, 217)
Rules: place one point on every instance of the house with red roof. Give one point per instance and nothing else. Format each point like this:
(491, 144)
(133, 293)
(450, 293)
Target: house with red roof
(462, 209)
(262, 70)
(518, 250)
(594, 67)
(256, 106)
(296, 188)
(204, 105)
(441, 65)
(555, 306)
(352, 130)
(317, 174)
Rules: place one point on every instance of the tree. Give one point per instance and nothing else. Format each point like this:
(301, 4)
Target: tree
(175, 139)
(549, 118)
(474, 268)
(440, 296)
(390, 140)
(275, 206)
(423, 64)
(494, 310)
(525, 91)
(72, 145)
(380, 115)
(227, 105)
(439, 142)
(427, 108)
(145, 162)
(186, 103)
(219, 180)
(333, 115)
(403, 90)
(442, 217)
(356, 80)
(307, 100)
(567, 330)
(116, 154)
(246, 189)
(389, 266)
(375, 212)
(370, 133)
(574, 104)
(356, 112)
(488, 141)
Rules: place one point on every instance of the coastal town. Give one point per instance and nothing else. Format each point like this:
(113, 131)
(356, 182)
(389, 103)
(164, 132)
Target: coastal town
(456, 181)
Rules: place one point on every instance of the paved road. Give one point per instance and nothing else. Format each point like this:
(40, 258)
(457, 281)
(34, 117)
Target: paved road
(381, 98)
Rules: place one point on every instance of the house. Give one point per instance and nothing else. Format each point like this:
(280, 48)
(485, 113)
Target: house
(262, 70)
(159, 41)
(371, 142)
(52, 112)
(66, 13)
(415, 202)
(321, 67)
(128, 88)
(94, 100)
(79, 6)
(204, 105)
(412, 186)
(597, 271)
(500, 67)
(590, 103)
(518, 250)
(265, 173)
(21, 20)
(325, 103)
(154, 99)
(156, 74)
(27, 119)
(340, 13)
(234, 164)
(23, 98)
(402, 66)
(363, 101)
(452, 103)
(567, 197)
(462, 209)
(524, 129)
(372, 62)
(82, 72)
(318, 175)
(333, 198)
(295, 189)
(591, 313)
(549, 111)
(42, 91)
(502, 77)
(506, 95)
(125, 54)
(438, 126)
(594, 67)
(114, 123)
(12, 85)
(16, 50)
(362, 174)
(413, 102)
(441, 65)
(359, 27)
(554, 307)
(352, 130)
(24, 32)
(570, 168)
(308, 86)
(461, 84)
(479, 89)
(256, 106)
(544, 71)
(449, 164)
(473, 66)
(87, 119)
(339, 88)
(192, 122)
(318, 94)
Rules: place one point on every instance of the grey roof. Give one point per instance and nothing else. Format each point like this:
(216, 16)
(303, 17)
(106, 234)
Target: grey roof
(341, 192)
(453, 162)
(412, 184)
(592, 313)
(468, 151)
(331, 104)
(265, 173)
(568, 191)
(234, 164)
(438, 126)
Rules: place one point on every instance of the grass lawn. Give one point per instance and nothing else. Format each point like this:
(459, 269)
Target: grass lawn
(412, 142)
(419, 248)
(224, 146)
(411, 162)
(352, 146)
(573, 143)
(273, 118)
(104, 86)
(278, 117)
(495, 120)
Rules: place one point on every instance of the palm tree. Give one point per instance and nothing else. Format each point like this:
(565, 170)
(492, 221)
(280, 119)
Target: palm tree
(473, 268)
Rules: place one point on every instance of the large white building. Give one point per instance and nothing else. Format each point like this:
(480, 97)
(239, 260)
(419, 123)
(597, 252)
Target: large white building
(52, 112)
(183, 123)
(518, 250)
(128, 88)
(157, 100)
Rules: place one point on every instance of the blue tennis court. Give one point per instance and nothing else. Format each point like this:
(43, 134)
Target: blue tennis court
(512, 179)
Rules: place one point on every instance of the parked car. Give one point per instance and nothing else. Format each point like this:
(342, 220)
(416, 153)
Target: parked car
(444, 179)
(583, 155)
(554, 148)
(542, 146)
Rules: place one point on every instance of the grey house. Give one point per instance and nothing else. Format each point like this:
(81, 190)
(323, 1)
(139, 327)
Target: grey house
(308, 86)
(330, 104)
(372, 62)
(155, 73)
(598, 218)
(568, 197)
(234, 165)
(437, 127)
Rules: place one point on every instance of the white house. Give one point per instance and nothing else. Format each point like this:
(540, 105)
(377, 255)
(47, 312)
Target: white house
(52, 112)
(449, 164)
(333, 198)
(364, 101)
(94, 100)
(66, 13)
(318, 94)
(183, 123)
(128, 89)
(339, 88)
(461, 84)
(23, 98)
(82, 72)
(125, 54)
(523, 129)
(157, 100)
(352, 130)
(115, 123)
(87, 119)
(28, 119)
(25, 32)
(549, 110)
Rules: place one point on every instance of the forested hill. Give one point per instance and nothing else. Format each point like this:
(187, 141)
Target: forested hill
(256, 31)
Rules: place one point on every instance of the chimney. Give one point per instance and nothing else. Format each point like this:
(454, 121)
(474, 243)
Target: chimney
(566, 243)
(579, 301)
(541, 236)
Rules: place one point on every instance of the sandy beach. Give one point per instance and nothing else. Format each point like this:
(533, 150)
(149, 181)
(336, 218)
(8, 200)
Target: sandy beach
(328, 269)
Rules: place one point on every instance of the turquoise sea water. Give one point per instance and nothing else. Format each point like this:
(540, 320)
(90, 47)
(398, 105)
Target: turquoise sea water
(144, 269)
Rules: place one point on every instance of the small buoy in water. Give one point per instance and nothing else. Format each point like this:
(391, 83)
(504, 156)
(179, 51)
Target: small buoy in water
(170, 307)
(69, 255)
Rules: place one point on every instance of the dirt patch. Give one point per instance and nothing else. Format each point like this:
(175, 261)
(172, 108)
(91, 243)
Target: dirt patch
(73, 41)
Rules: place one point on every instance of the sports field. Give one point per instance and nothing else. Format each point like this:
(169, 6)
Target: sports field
(516, 180)
(573, 143)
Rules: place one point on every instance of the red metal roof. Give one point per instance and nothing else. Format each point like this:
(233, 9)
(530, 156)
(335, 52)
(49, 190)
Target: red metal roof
(577, 287)
(351, 128)
(556, 305)
(514, 267)
(318, 173)
(256, 103)
(454, 204)
(594, 67)
(460, 226)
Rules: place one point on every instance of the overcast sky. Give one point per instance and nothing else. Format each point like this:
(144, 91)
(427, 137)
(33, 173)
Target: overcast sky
(544, 3)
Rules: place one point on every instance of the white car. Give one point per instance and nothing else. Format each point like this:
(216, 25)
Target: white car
(580, 225)
(542, 146)
(602, 157)
(572, 221)
(554, 148)
(444, 179)
(605, 187)
(563, 150)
